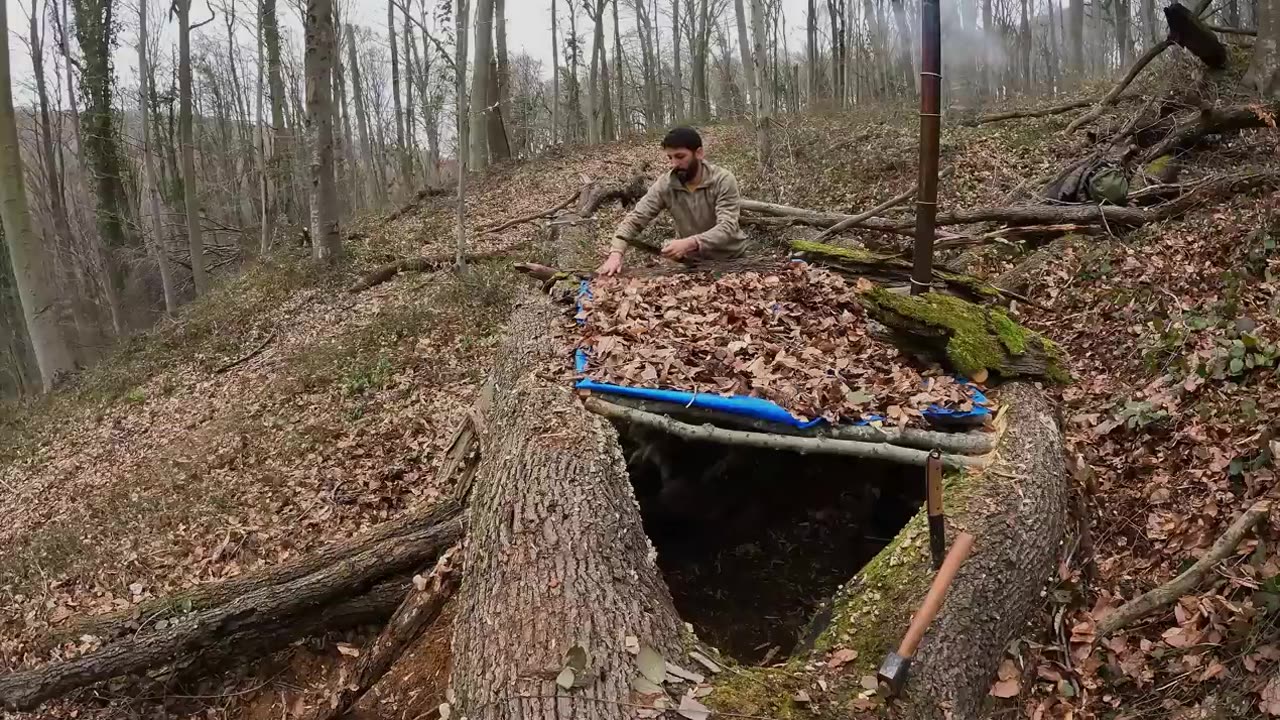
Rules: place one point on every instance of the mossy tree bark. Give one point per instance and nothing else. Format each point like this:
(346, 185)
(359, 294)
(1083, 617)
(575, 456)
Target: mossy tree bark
(556, 554)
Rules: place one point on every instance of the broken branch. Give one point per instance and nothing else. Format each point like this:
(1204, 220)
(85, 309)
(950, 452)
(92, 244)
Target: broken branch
(1187, 581)
(533, 216)
(891, 202)
(419, 609)
(246, 358)
(1110, 98)
(711, 433)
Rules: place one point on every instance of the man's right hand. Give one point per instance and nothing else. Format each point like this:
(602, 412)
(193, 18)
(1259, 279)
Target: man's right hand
(612, 266)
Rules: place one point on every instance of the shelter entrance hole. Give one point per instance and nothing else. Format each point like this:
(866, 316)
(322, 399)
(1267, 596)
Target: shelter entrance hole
(752, 541)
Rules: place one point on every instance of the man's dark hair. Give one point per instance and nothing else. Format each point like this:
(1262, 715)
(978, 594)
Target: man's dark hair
(682, 138)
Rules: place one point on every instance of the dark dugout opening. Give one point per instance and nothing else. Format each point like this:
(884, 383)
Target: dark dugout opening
(752, 541)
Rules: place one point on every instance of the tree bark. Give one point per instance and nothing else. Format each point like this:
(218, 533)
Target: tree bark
(542, 572)
(326, 243)
(28, 256)
(195, 242)
(362, 115)
(282, 146)
(555, 76)
(402, 155)
(1263, 75)
(478, 145)
(53, 178)
(998, 590)
(149, 167)
(463, 129)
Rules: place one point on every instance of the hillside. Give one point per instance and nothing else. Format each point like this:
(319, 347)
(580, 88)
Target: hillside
(283, 413)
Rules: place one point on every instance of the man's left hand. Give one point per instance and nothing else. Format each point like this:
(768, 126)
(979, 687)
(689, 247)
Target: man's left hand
(680, 249)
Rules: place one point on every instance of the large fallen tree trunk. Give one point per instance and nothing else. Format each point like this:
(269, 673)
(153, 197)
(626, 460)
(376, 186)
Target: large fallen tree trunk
(264, 609)
(1209, 122)
(558, 571)
(1018, 529)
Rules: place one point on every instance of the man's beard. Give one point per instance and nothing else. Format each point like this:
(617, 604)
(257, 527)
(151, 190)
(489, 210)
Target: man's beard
(689, 173)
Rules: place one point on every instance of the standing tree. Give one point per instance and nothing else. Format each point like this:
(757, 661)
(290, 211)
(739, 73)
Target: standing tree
(27, 254)
(463, 126)
(677, 86)
(478, 147)
(96, 32)
(555, 78)
(764, 90)
(362, 114)
(282, 145)
(149, 165)
(191, 200)
(401, 154)
(326, 244)
(744, 51)
(1075, 38)
(1264, 69)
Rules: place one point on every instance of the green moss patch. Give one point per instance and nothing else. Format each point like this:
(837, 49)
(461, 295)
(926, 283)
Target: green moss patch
(977, 338)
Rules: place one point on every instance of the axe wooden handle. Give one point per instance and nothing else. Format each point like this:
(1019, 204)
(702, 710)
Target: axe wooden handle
(937, 593)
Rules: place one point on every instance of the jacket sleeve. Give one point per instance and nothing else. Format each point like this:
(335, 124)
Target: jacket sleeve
(640, 216)
(728, 206)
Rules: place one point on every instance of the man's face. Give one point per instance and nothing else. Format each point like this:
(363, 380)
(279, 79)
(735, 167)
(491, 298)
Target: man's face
(684, 162)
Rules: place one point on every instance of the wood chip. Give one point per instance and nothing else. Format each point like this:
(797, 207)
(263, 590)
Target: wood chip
(705, 662)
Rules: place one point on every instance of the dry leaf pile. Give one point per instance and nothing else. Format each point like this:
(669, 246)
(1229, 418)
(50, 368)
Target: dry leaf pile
(796, 336)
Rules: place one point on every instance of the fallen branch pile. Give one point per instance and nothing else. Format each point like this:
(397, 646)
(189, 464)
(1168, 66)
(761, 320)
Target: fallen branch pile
(235, 618)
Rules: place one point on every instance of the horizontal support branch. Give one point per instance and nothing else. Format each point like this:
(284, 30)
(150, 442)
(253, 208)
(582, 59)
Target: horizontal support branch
(826, 446)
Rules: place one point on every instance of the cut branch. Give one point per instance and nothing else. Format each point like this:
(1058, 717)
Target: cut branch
(1110, 98)
(829, 446)
(891, 202)
(527, 218)
(419, 609)
(966, 443)
(246, 357)
(1186, 582)
(1033, 113)
(429, 263)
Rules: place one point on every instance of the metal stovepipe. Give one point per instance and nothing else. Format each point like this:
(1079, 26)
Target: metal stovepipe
(930, 124)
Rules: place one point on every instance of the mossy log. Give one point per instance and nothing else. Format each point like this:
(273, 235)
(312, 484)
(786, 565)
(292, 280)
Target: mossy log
(971, 339)
(1016, 509)
(890, 268)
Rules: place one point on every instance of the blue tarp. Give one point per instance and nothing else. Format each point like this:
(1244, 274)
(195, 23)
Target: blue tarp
(745, 405)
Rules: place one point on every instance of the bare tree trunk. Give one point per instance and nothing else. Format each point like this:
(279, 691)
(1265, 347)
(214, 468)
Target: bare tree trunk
(28, 256)
(555, 77)
(502, 104)
(192, 201)
(1075, 38)
(744, 52)
(620, 118)
(677, 91)
(53, 178)
(764, 91)
(267, 219)
(593, 82)
(348, 161)
(410, 73)
(1263, 75)
(499, 146)
(149, 166)
(281, 164)
(362, 114)
(478, 148)
(464, 127)
(326, 244)
(402, 154)
(95, 26)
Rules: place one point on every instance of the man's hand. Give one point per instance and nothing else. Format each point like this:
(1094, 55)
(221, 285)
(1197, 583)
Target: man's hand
(612, 266)
(680, 249)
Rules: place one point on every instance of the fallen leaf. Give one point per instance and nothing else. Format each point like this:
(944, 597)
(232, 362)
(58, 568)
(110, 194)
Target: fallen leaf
(651, 665)
(841, 656)
(565, 678)
(632, 644)
(1005, 688)
(692, 709)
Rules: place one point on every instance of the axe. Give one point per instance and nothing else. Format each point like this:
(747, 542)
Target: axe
(893, 672)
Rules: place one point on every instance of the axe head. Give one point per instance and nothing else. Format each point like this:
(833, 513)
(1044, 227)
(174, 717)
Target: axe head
(893, 673)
